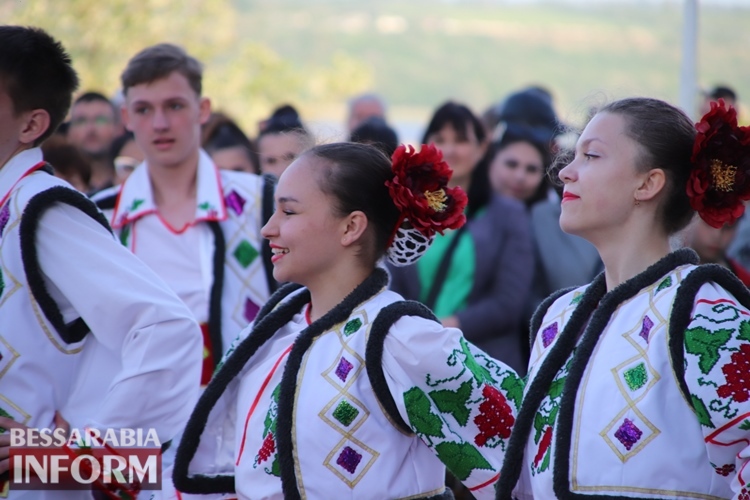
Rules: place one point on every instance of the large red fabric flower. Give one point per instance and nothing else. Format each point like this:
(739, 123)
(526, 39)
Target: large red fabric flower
(720, 179)
(419, 189)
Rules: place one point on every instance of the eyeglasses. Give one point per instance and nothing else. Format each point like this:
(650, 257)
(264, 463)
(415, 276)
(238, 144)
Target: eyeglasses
(125, 164)
(97, 121)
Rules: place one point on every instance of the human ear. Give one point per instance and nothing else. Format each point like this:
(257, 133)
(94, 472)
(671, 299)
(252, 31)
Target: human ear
(355, 225)
(653, 183)
(36, 123)
(125, 117)
(205, 109)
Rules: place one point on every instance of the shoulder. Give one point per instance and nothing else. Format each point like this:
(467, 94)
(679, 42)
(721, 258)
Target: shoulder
(504, 213)
(500, 203)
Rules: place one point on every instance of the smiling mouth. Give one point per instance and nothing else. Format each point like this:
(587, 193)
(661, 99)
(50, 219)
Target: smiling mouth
(278, 253)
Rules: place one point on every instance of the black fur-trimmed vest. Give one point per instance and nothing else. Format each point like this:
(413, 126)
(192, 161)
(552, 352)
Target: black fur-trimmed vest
(360, 323)
(33, 333)
(241, 269)
(569, 327)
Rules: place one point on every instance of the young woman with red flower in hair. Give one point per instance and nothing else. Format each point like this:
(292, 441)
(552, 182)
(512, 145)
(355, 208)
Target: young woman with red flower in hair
(479, 277)
(639, 383)
(340, 388)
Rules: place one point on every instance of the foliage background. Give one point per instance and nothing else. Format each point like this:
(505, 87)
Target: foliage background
(315, 54)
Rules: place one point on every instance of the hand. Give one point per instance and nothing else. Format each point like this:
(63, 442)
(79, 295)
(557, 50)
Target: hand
(8, 423)
(451, 322)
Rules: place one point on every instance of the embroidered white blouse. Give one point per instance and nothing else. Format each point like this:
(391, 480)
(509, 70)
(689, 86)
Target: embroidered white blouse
(459, 403)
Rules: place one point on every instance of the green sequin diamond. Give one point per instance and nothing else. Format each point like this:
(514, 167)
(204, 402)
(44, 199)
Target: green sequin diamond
(666, 283)
(576, 299)
(636, 377)
(352, 326)
(245, 253)
(345, 413)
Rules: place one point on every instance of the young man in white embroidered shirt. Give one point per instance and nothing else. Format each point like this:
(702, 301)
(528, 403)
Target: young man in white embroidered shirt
(196, 226)
(85, 327)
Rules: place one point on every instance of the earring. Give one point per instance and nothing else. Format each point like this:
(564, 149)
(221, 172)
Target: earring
(637, 202)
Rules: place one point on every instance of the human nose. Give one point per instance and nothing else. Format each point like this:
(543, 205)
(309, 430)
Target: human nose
(270, 229)
(568, 173)
(159, 120)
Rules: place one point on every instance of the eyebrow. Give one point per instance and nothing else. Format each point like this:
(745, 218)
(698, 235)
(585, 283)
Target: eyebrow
(589, 141)
(287, 199)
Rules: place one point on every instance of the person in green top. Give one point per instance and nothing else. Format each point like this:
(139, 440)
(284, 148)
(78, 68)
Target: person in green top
(476, 278)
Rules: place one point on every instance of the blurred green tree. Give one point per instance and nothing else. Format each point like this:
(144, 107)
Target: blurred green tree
(245, 78)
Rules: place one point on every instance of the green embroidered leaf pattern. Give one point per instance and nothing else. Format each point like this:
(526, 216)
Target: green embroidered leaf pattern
(419, 411)
(455, 403)
(744, 331)
(705, 344)
(666, 283)
(513, 387)
(545, 462)
(701, 411)
(461, 458)
(556, 388)
(577, 298)
(481, 374)
(125, 234)
(204, 206)
(136, 203)
(745, 426)
(539, 422)
(269, 424)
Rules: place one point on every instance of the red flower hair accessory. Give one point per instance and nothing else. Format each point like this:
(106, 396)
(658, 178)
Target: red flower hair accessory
(720, 180)
(419, 189)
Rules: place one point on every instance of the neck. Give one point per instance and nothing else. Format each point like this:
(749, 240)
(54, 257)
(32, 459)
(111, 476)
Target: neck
(174, 185)
(20, 147)
(628, 256)
(328, 291)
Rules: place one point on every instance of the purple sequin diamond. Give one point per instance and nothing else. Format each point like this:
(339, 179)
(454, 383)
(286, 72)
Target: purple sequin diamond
(343, 369)
(251, 309)
(646, 328)
(4, 217)
(549, 334)
(235, 201)
(349, 459)
(628, 434)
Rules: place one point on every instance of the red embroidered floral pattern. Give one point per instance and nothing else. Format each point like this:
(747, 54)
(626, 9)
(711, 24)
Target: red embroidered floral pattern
(724, 470)
(543, 446)
(737, 373)
(267, 448)
(495, 416)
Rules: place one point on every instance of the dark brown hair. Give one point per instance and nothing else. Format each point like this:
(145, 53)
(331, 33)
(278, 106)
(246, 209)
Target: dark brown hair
(37, 73)
(461, 118)
(159, 61)
(665, 135)
(355, 176)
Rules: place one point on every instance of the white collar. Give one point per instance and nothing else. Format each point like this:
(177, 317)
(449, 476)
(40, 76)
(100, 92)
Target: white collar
(136, 196)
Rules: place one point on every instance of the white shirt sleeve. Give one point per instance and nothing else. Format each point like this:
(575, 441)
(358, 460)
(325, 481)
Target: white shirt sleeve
(143, 369)
(461, 402)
